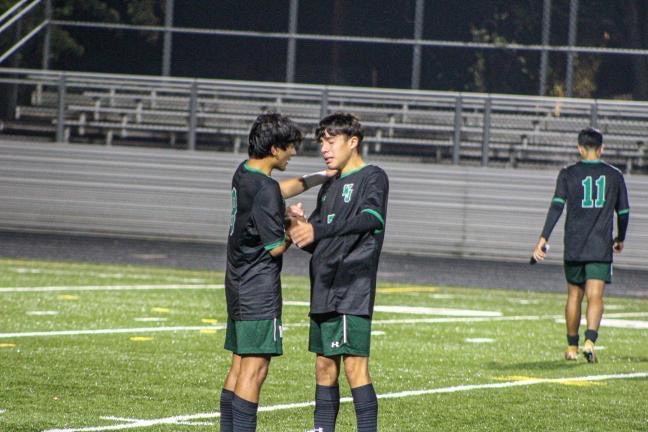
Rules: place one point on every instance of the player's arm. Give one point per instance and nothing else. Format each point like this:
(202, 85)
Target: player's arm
(281, 248)
(296, 185)
(268, 216)
(623, 216)
(553, 214)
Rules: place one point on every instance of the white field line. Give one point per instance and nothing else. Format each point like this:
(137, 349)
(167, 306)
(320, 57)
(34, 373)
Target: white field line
(103, 275)
(112, 288)
(187, 419)
(414, 310)
(110, 331)
(287, 326)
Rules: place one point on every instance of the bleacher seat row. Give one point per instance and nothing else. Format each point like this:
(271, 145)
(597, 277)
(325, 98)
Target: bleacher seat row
(138, 110)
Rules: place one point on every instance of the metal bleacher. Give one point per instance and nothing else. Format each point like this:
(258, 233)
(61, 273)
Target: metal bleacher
(216, 114)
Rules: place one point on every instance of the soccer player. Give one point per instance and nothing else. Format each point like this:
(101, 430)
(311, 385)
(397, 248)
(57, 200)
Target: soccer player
(592, 190)
(345, 235)
(255, 246)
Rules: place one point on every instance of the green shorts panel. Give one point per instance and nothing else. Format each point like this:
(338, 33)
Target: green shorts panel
(335, 334)
(578, 273)
(254, 337)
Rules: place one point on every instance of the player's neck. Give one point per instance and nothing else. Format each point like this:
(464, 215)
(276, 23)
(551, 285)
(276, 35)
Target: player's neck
(264, 165)
(354, 163)
(590, 156)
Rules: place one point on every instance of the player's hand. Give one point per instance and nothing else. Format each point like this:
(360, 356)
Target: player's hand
(301, 232)
(618, 246)
(539, 253)
(295, 211)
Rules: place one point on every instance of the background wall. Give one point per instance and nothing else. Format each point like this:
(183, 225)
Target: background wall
(434, 210)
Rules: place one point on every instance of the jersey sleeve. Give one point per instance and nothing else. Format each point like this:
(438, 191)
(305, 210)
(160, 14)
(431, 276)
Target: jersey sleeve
(268, 215)
(374, 200)
(622, 205)
(560, 194)
(557, 205)
(372, 211)
(622, 208)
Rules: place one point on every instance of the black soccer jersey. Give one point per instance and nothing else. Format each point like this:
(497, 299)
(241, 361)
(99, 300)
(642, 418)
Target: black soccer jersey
(592, 191)
(349, 224)
(252, 279)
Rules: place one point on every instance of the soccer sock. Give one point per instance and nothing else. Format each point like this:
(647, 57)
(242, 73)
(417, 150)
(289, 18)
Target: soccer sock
(366, 407)
(572, 340)
(591, 335)
(244, 415)
(327, 405)
(226, 410)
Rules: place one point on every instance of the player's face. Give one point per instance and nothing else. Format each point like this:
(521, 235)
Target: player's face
(283, 156)
(337, 150)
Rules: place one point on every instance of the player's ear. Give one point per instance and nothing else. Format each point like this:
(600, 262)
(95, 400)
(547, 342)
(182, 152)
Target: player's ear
(581, 150)
(600, 152)
(273, 151)
(354, 142)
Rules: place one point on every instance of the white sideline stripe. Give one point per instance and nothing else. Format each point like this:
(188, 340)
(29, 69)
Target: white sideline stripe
(625, 314)
(627, 324)
(111, 331)
(182, 419)
(615, 323)
(286, 326)
(111, 288)
(414, 310)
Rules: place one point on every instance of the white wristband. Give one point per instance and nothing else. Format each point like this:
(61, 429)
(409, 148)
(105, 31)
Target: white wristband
(314, 179)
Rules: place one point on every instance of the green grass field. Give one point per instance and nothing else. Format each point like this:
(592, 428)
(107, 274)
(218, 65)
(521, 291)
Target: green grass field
(103, 348)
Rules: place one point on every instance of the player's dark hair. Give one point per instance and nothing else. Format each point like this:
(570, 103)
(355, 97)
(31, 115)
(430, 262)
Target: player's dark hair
(340, 123)
(272, 129)
(590, 138)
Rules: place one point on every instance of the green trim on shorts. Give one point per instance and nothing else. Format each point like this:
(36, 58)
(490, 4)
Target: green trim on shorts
(254, 337)
(336, 334)
(578, 273)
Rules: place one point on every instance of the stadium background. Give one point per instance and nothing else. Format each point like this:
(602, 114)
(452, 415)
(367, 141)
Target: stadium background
(121, 124)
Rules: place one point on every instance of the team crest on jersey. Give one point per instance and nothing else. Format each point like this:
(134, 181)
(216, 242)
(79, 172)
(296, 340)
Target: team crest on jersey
(347, 191)
(330, 218)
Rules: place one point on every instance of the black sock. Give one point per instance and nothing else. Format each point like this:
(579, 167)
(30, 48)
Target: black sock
(226, 410)
(244, 414)
(366, 408)
(327, 405)
(572, 340)
(591, 335)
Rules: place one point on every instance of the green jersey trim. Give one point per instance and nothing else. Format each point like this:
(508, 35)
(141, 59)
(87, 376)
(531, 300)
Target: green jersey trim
(275, 244)
(591, 161)
(623, 212)
(353, 171)
(254, 170)
(378, 216)
(558, 200)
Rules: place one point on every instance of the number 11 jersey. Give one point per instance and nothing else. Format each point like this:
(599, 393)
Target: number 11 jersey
(592, 191)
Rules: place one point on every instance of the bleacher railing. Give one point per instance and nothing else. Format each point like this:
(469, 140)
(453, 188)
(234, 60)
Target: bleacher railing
(446, 127)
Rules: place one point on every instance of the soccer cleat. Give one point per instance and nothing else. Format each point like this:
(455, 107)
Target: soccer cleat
(588, 352)
(571, 353)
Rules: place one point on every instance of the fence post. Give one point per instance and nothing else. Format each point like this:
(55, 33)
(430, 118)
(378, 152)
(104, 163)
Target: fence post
(193, 108)
(60, 118)
(167, 45)
(457, 131)
(594, 115)
(324, 105)
(292, 42)
(487, 130)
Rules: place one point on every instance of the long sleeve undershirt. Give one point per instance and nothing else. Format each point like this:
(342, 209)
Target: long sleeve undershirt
(555, 210)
